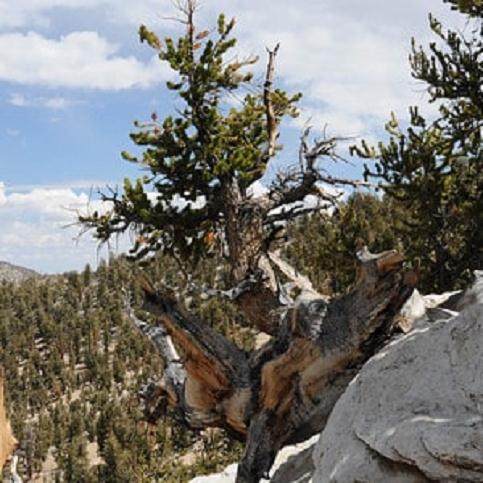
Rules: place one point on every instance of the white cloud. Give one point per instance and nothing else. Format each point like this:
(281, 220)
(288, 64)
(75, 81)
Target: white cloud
(18, 100)
(23, 13)
(81, 184)
(28, 13)
(76, 60)
(349, 58)
(52, 204)
(54, 103)
(257, 189)
(3, 197)
(37, 229)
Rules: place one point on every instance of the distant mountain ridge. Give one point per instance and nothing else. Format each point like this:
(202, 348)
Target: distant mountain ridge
(14, 273)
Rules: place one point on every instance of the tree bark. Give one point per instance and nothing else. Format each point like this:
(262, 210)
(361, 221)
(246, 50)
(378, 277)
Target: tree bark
(283, 392)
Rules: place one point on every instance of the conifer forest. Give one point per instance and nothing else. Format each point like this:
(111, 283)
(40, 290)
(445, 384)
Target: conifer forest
(251, 298)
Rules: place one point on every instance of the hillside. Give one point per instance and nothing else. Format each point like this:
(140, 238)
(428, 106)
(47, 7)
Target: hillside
(14, 273)
(74, 367)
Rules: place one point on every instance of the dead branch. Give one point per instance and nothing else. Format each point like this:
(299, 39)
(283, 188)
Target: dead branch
(272, 127)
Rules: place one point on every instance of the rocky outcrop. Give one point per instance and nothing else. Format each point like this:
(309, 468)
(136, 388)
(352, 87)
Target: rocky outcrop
(413, 414)
(14, 273)
(415, 411)
(7, 441)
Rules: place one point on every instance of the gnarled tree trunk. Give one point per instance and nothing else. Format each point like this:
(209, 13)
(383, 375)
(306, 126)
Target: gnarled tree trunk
(283, 392)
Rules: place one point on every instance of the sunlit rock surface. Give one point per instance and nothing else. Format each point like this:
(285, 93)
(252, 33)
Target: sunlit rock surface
(415, 411)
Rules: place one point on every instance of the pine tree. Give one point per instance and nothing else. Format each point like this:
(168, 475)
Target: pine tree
(435, 169)
(196, 203)
(322, 243)
(196, 157)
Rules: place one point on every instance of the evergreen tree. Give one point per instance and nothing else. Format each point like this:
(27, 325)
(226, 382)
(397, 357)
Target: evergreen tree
(435, 169)
(200, 157)
(323, 243)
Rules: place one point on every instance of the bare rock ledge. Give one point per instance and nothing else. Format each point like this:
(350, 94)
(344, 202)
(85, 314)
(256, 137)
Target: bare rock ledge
(415, 411)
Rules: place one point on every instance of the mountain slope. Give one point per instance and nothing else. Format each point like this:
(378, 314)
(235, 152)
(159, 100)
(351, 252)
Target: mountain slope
(74, 368)
(14, 273)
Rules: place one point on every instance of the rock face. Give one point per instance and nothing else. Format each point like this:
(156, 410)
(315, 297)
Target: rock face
(415, 411)
(7, 441)
(13, 273)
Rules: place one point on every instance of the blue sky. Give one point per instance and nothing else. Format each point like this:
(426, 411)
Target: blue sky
(73, 77)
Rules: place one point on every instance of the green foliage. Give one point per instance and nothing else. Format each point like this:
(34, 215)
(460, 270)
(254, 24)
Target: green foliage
(434, 170)
(74, 366)
(197, 153)
(324, 245)
(470, 7)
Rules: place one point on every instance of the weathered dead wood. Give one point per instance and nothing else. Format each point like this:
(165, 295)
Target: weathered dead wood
(272, 127)
(7, 440)
(213, 375)
(285, 391)
(328, 342)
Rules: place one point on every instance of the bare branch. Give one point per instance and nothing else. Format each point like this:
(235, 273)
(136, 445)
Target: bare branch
(346, 182)
(158, 335)
(272, 128)
(294, 185)
(300, 281)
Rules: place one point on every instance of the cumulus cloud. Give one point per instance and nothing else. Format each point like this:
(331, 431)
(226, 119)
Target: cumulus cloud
(38, 231)
(54, 204)
(81, 184)
(76, 60)
(349, 58)
(22, 13)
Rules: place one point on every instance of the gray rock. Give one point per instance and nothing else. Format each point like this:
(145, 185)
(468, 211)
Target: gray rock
(415, 411)
(14, 273)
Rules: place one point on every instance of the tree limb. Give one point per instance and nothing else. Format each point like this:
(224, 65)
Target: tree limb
(272, 127)
(285, 391)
